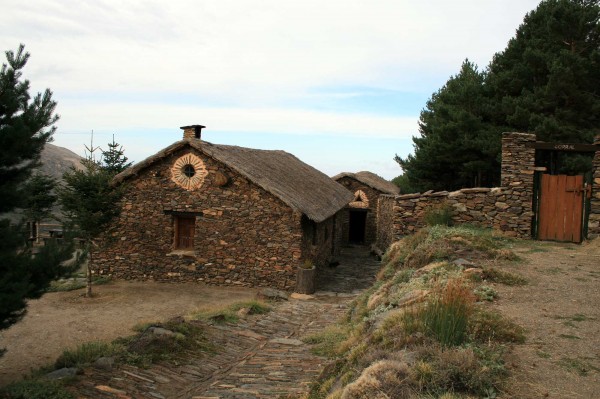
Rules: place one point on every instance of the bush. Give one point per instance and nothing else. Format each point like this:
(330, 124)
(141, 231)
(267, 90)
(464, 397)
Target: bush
(229, 314)
(438, 215)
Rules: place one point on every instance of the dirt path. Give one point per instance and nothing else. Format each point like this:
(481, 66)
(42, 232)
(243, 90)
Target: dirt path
(58, 321)
(560, 309)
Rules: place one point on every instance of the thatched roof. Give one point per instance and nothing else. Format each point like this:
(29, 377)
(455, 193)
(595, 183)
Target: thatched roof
(372, 180)
(300, 186)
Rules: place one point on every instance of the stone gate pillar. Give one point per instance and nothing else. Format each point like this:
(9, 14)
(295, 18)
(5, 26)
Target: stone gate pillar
(518, 168)
(594, 219)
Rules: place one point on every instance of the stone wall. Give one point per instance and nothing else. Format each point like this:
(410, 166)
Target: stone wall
(243, 234)
(372, 195)
(507, 208)
(594, 219)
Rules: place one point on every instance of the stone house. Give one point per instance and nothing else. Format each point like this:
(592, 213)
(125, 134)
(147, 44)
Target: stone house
(222, 214)
(359, 223)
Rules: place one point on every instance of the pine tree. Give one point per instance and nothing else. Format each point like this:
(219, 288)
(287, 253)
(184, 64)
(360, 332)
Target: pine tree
(457, 147)
(39, 200)
(26, 125)
(547, 80)
(114, 160)
(89, 199)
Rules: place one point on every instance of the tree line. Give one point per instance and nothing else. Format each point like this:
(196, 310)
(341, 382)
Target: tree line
(546, 81)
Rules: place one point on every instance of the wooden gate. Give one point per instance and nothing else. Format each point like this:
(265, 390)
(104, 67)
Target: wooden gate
(561, 203)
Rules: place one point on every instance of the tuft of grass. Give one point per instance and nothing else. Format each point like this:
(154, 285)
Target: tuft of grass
(503, 277)
(569, 336)
(75, 284)
(87, 353)
(543, 355)
(440, 214)
(578, 366)
(485, 293)
(36, 389)
(446, 314)
(229, 314)
(486, 326)
(328, 342)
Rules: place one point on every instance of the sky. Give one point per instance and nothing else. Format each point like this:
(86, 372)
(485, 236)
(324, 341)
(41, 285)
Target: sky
(339, 84)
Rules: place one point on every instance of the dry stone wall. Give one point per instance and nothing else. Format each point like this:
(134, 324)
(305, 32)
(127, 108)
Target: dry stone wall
(243, 234)
(507, 208)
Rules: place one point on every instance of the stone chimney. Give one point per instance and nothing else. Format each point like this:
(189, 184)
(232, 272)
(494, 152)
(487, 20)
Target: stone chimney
(192, 131)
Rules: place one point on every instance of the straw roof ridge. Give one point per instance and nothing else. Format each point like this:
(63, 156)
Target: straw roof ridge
(300, 186)
(372, 180)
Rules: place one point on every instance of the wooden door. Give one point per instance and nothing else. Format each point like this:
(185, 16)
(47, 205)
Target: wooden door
(561, 208)
(184, 232)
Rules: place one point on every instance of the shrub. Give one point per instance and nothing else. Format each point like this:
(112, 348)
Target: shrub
(486, 293)
(438, 215)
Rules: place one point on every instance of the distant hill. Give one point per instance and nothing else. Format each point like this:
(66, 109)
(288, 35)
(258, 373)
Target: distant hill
(58, 160)
(55, 161)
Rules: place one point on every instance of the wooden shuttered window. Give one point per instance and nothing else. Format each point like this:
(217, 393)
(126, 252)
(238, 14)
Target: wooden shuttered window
(184, 232)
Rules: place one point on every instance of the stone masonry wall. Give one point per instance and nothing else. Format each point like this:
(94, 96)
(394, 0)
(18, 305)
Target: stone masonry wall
(507, 208)
(354, 185)
(594, 219)
(243, 234)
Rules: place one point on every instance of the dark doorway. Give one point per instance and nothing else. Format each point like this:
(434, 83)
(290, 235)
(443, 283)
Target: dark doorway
(358, 222)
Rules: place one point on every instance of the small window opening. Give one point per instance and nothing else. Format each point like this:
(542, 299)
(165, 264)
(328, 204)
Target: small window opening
(189, 170)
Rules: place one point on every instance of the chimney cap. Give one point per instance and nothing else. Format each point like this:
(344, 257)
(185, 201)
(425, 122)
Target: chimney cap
(192, 126)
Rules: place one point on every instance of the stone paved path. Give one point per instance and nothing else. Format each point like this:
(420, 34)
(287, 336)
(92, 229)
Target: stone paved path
(259, 357)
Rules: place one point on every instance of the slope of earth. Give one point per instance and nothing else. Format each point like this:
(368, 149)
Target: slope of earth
(560, 310)
(63, 320)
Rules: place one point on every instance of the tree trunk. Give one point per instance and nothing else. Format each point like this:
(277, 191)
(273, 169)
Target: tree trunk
(88, 285)
(305, 281)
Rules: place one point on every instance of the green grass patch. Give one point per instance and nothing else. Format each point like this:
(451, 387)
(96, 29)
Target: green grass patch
(569, 336)
(229, 314)
(543, 355)
(578, 366)
(486, 326)
(75, 283)
(36, 389)
(87, 353)
(495, 275)
(328, 342)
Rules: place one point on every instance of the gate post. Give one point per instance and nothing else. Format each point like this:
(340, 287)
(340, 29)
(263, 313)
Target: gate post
(517, 173)
(594, 219)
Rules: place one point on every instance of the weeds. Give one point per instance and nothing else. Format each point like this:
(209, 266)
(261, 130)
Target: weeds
(86, 354)
(438, 215)
(485, 293)
(35, 389)
(327, 342)
(578, 366)
(230, 314)
(503, 277)
(447, 314)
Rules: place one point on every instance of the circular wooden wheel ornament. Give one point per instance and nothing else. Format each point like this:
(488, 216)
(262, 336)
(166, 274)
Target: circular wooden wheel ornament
(189, 172)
